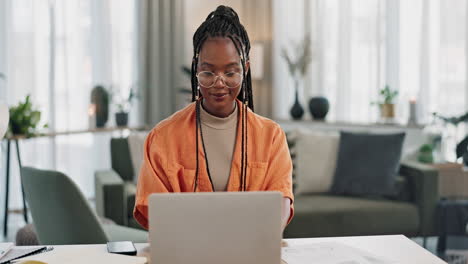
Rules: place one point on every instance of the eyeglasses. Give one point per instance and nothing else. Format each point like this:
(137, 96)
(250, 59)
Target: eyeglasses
(208, 79)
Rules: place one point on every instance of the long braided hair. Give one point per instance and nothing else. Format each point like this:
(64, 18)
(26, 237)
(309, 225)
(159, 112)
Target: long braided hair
(224, 22)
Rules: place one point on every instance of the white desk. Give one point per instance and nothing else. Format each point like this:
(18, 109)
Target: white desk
(395, 247)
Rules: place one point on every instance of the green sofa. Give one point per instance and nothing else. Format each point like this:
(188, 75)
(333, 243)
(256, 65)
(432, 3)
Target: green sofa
(411, 212)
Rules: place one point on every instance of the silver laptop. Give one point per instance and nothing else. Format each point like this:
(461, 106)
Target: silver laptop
(220, 227)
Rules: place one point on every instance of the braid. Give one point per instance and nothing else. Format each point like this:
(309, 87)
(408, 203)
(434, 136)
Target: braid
(224, 22)
(197, 121)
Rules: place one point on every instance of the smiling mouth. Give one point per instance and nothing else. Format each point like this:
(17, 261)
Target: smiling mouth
(220, 95)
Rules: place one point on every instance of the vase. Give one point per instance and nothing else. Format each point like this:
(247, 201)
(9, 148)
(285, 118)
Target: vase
(100, 97)
(297, 111)
(319, 107)
(121, 119)
(387, 111)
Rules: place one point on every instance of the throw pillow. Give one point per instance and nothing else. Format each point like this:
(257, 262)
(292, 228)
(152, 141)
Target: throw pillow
(317, 153)
(136, 141)
(367, 164)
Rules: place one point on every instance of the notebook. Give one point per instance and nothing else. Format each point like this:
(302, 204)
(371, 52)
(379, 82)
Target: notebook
(81, 254)
(18, 253)
(4, 248)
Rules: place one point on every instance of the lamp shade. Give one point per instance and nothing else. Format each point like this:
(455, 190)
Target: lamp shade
(4, 118)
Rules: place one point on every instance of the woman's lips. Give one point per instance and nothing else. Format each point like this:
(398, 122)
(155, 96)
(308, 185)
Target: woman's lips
(219, 96)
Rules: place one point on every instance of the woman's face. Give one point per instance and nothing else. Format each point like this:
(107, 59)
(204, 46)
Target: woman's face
(219, 56)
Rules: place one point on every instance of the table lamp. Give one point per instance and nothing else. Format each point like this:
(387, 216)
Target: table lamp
(4, 118)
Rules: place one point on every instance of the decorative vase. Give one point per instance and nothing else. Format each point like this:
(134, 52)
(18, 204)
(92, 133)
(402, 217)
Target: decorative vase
(121, 119)
(297, 111)
(319, 107)
(100, 97)
(387, 111)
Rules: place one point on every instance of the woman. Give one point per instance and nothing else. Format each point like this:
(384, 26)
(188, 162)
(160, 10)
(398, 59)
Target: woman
(217, 143)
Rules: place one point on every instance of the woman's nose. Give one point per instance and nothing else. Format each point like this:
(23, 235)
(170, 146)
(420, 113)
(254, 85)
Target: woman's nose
(219, 82)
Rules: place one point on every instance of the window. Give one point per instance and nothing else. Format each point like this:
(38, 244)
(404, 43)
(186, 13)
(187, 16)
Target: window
(417, 47)
(57, 51)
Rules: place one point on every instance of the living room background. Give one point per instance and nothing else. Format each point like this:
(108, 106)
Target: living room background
(416, 47)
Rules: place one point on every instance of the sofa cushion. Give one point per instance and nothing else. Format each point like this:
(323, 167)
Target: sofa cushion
(317, 153)
(367, 164)
(326, 215)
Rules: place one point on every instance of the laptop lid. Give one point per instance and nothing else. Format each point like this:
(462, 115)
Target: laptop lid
(219, 227)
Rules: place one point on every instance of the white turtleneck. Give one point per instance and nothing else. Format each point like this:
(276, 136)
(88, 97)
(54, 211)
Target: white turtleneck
(219, 135)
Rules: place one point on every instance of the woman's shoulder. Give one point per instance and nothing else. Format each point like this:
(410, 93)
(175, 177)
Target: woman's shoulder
(177, 122)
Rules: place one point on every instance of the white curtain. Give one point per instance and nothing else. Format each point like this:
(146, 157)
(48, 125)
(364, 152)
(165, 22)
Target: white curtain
(57, 51)
(417, 47)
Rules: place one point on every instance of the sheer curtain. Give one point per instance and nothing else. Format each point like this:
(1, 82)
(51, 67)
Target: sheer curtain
(57, 51)
(417, 47)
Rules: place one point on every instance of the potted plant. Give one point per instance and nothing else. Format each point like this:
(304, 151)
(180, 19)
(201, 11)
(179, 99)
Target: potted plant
(123, 108)
(297, 66)
(24, 119)
(387, 105)
(426, 153)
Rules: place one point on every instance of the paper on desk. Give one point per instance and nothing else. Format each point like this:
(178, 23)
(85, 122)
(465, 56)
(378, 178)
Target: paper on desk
(4, 248)
(329, 253)
(80, 255)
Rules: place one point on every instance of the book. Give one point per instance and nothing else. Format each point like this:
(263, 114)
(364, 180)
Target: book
(82, 254)
(18, 253)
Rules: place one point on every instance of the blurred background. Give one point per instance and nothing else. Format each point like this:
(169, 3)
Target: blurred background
(361, 64)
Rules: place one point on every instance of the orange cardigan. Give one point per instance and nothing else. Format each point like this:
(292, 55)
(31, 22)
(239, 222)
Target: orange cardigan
(169, 160)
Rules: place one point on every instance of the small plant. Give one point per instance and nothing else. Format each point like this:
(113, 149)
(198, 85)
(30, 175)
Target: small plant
(454, 120)
(426, 153)
(298, 64)
(123, 105)
(388, 96)
(386, 103)
(24, 119)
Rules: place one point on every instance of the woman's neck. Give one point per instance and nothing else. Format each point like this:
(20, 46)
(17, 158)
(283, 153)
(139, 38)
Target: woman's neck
(222, 113)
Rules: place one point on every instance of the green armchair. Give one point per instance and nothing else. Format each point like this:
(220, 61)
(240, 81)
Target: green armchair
(62, 214)
(115, 188)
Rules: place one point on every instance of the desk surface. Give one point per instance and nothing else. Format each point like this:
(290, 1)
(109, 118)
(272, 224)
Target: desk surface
(397, 248)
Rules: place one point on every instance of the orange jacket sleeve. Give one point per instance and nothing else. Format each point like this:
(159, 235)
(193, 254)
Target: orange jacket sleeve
(152, 179)
(279, 170)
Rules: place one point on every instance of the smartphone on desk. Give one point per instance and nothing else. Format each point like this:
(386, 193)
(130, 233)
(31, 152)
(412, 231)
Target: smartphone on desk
(122, 247)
